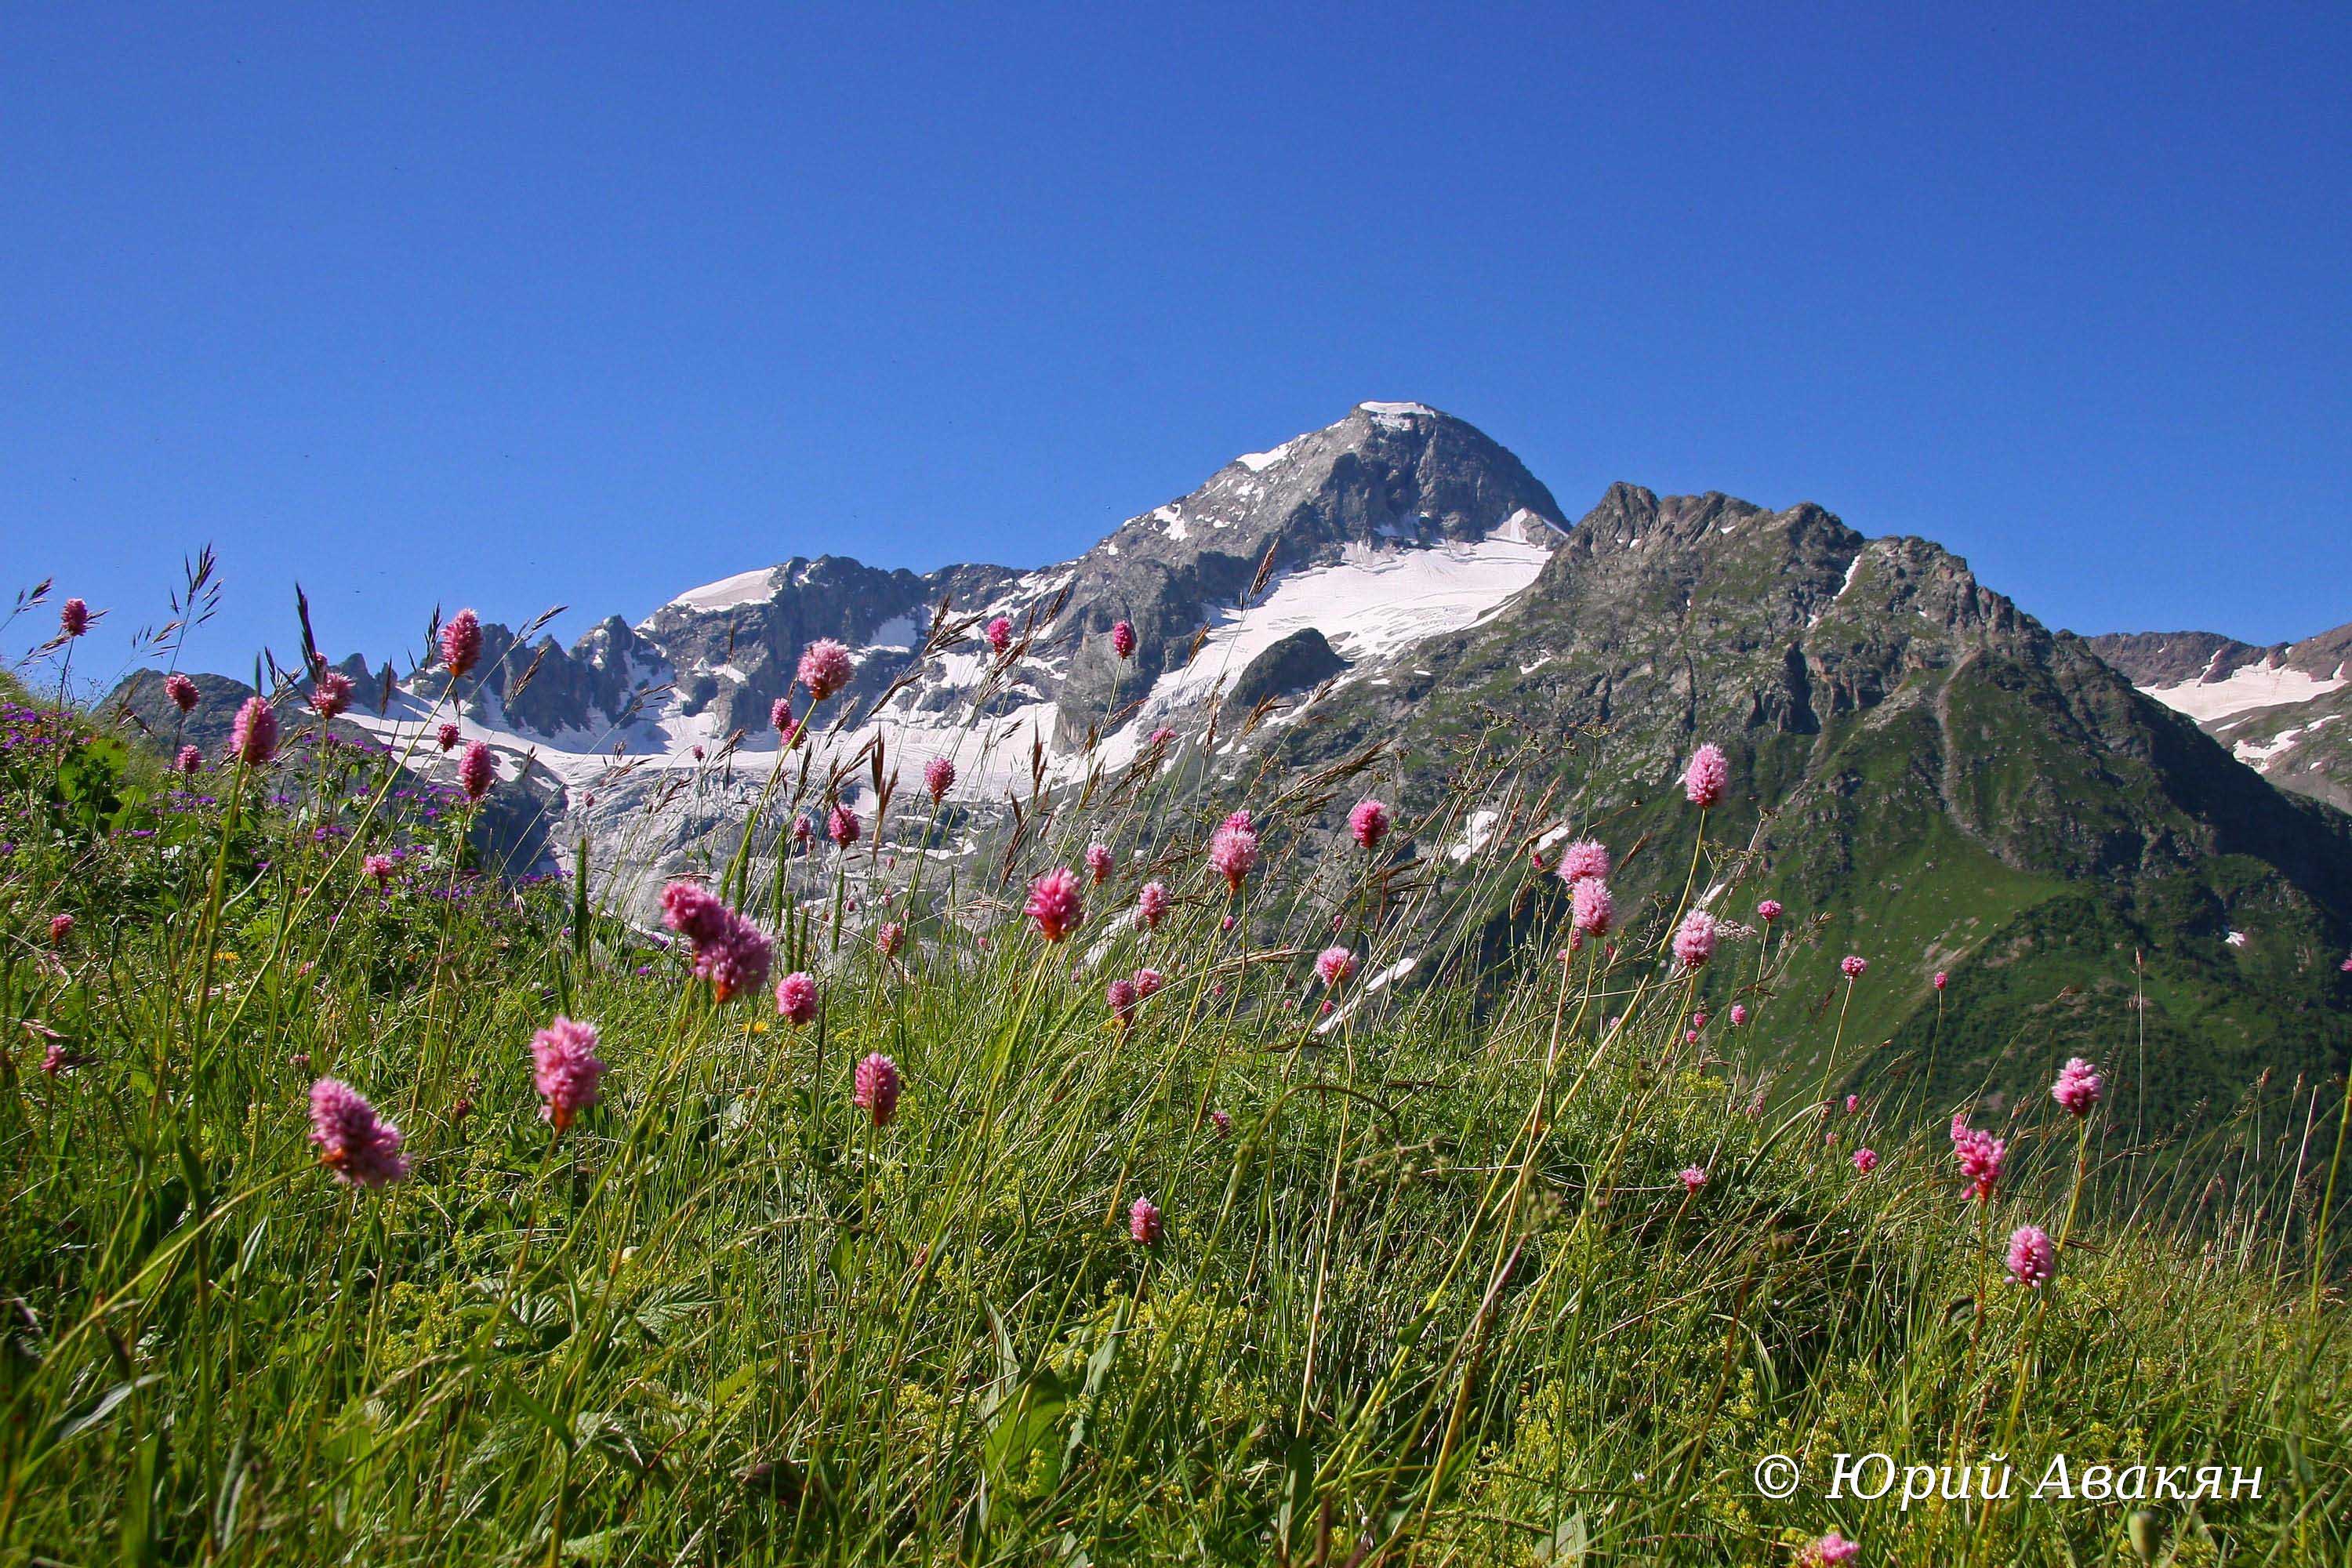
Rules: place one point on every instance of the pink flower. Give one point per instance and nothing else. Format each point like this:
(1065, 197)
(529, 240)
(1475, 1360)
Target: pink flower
(1699, 1020)
(1853, 1104)
(1143, 1222)
(60, 928)
(1122, 997)
(477, 771)
(1585, 857)
(1852, 965)
(938, 777)
(1865, 1161)
(1122, 639)
(780, 714)
(1233, 849)
(253, 737)
(874, 1089)
(730, 952)
(1221, 1123)
(1368, 822)
(1592, 910)
(1333, 965)
(1738, 1013)
(999, 634)
(448, 735)
(360, 1147)
(1148, 981)
(1769, 911)
(1941, 979)
(566, 1069)
(891, 938)
(826, 667)
(796, 998)
(73, 617)
(379, 868)
(1705, 780)
(2031, 1258)
(1695, 940)
(1152, 905)
(1097, 859)
(2079, 1087)
(802, 830)
(1054, 906)
(461, 642)
(1226, 923)
(181, 692)
(1693, 1177)
(1980, 1155)
(1163, 734)
(190, 762)
(331, 693)
(841, 825)
(1829, 1551)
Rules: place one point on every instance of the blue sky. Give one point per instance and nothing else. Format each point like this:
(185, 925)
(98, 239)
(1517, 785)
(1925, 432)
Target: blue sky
(511, 305)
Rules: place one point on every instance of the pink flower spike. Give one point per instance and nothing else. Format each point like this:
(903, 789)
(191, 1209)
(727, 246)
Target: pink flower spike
(181, 692)
(1693, 1177)
(1695, 940)
(999, 634)
(566, 1071)
(2031, 1257)
(1942, 979)
(1122, 999)
(190, 762)
(796, 999)
(1738, 1013)
(1865, 1161)
(890, 939)
(1592, 910)
(330, 694)
(1233, 850)
(448, 735)
(1980, 1155)
(379, 868)
(1368, 822)
(1705, 780)
(1221, 1123)
(2079, 1087)
(1148, 981)
(73, 617)
(360, 1148)
(254, 737)
(1226, 923)
(1852, 965)
(1853, 1104)
(60, 928)
(477, 771)
(938, 777)
(841, 825)
(1829, 1551)
(1097, 859)
(1143, 1222)
(780, 714)
(1585, 857)
(1769, 911)
(461, 642)
(1152, 905)
(874, 1089)
(1054, 906)
(1333, 966)
(826, 667)
(1122, 640)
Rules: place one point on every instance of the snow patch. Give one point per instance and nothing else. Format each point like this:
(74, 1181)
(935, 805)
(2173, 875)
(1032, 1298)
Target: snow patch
(2247, 687)
(743, 588)
(1259, 462)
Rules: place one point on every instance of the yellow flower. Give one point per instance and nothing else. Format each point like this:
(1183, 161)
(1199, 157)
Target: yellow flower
(224, 956)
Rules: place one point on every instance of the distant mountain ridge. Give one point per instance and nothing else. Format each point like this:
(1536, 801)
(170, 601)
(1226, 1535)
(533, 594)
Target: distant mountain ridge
(2285, 709)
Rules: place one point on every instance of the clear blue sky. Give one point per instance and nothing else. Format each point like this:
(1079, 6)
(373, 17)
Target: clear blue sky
(508, 305)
